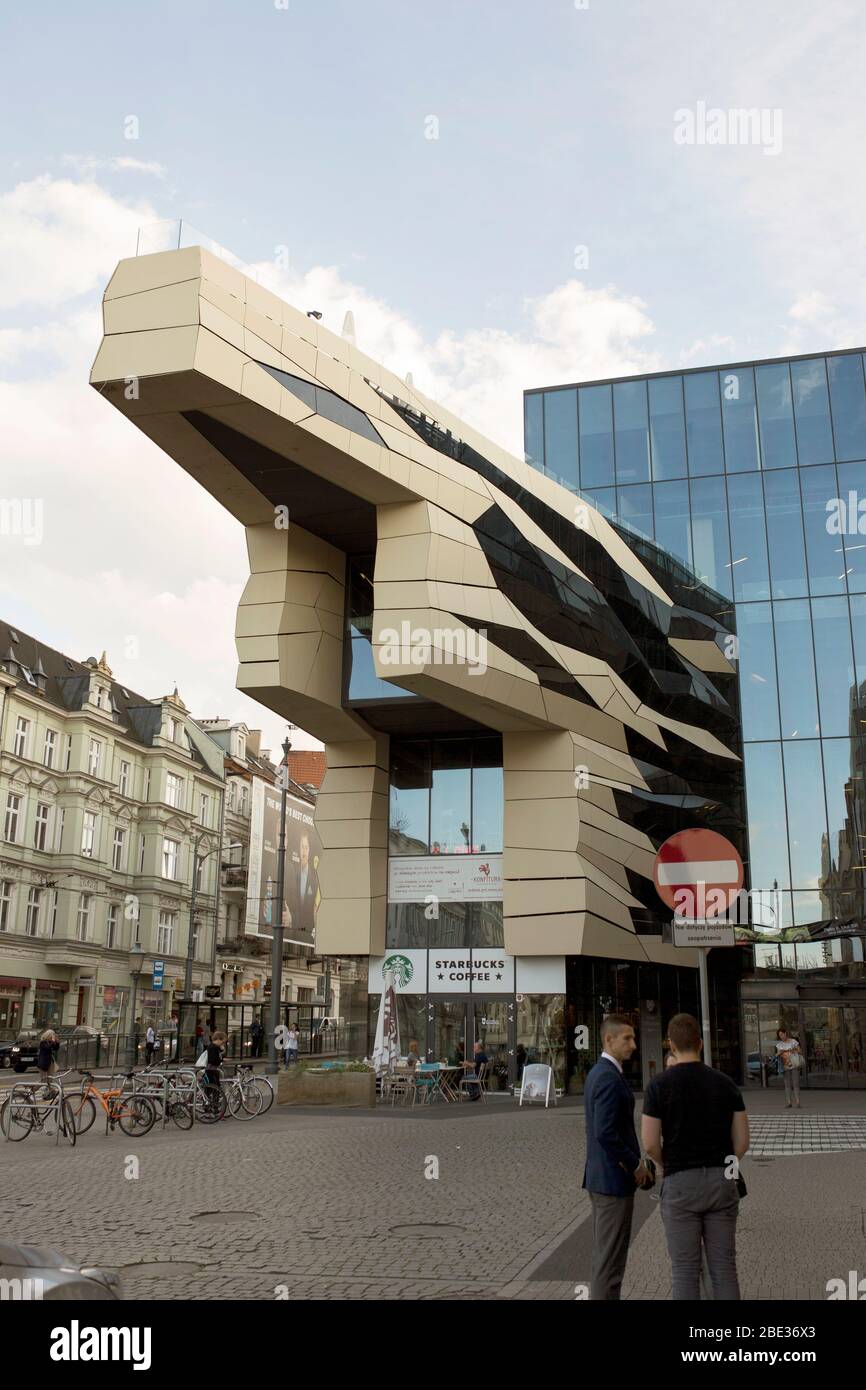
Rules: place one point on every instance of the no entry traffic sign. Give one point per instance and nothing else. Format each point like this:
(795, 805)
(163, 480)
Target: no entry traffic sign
(698, 874)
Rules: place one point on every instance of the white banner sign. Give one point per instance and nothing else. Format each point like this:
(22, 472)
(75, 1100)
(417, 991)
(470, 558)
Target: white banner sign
(688, 933)
(450, 878)
(485, 970)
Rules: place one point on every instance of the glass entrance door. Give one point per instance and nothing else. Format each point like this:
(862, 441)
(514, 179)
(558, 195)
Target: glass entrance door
(825, 1044)
(855, 1038)
(456, 1024)
(490, 1027)
(449, 1038)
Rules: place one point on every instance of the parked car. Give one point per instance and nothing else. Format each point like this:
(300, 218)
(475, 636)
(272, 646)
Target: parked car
(26, 1045)
(60, 1279)
(6, 1046)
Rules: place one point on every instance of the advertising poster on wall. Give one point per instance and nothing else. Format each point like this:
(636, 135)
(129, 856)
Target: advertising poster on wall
(303, 853)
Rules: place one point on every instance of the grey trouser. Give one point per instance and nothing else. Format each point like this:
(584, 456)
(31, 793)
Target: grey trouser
(611, 1229)
(792, 1081)
(700, 1206)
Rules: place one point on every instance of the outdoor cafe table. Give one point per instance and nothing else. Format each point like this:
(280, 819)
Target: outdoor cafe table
(442, 1084)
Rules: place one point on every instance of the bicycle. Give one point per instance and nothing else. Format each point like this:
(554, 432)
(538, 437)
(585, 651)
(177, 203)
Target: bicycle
(24, 1110)
(133, 1113)
(209, 1102)
(243, 1097)
(175, 1099)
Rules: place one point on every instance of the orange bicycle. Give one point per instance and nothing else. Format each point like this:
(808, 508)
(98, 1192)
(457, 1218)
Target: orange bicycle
(134, 1113)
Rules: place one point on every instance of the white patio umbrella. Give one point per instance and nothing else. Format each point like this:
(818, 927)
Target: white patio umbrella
(386, 1048)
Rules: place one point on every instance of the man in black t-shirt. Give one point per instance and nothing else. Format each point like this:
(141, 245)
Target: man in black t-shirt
(694, 1124)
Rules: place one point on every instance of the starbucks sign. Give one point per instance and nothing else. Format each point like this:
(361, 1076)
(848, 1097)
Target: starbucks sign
(402, 967)
(410, 971)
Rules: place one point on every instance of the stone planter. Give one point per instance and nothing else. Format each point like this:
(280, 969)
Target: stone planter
(307, 1087)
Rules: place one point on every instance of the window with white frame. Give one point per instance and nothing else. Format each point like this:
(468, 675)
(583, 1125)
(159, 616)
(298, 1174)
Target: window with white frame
(171, 729)
(118, 850)
(199, 876)
(59, 822)
(165, 933)
(52, 920)
(13, 814)
(34, 905)
(123, 785)
(22, 729)
(49, 747)
(40, 829)
(111, 926)
(67, 753)
(141, 845)
(242, 747)
(198, 938)
(147, 784)
(88, 833)
(174, 790)
(231, 795)
(93, 757)
(5, 904)
(82, 926)
(170, 851)
(243, 799)
(202, 808)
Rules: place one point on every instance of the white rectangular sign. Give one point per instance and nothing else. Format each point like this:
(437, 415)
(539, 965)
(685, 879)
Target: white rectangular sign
(484, 970)
(450, 878)
(703, 933)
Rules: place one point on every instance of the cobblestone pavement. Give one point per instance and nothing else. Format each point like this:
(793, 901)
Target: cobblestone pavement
(336, 1205)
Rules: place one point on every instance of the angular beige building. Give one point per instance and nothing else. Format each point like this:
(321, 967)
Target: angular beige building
(519, 701)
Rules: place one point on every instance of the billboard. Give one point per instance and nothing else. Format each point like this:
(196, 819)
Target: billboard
(303, 852)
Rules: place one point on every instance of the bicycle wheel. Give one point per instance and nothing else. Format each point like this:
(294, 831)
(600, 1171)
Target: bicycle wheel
(83, 1110)
(210, 1104)
(16, 1121)
(251, 1102)
(181, 1114)
(267, 1093)
(67, 1122)
(135, 1115)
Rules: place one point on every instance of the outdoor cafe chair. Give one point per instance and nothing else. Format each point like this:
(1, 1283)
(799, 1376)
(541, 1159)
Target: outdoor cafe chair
(425, 1080)
(474, 1080)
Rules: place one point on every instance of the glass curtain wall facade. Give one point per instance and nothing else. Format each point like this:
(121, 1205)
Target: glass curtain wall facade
(754, 475)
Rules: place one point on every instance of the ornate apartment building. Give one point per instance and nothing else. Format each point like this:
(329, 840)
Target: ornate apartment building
(107, 798)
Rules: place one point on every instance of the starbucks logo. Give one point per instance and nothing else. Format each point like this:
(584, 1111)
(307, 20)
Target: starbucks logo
(402, 967)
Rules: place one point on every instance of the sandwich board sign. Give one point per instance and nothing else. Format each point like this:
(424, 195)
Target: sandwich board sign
(537, 1083)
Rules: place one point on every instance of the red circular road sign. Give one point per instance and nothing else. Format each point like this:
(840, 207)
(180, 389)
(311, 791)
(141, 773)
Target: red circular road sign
(698, 874)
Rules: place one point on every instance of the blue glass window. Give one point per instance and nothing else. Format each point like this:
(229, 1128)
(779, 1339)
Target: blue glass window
(824, 552)
(667, 427)
(807, 815)
(710, 545)
(837, 781)
(635, 508)
(795, 665)
(450, 799)
(852, 521)
(834, 663)
(812, 411)
(487, 801)
(596, 436)
(848, 403)
(858, 627)
(757, 665)
(673, 532)
(785, 534)
(603, 498)
(765, 796)
(748, 537)
(560, 436)
(740, 420)
(533, 429)
(703, 423)
(776, 413)
(631, 432)
(409, 822)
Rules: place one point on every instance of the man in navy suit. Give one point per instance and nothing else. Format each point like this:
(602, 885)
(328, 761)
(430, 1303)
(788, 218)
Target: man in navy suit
(614, 1169)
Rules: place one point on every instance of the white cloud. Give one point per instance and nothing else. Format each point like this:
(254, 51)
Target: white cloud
(91, 164)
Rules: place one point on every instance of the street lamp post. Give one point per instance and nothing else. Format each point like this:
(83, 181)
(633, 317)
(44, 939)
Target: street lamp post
(277, 946)
(136, 962)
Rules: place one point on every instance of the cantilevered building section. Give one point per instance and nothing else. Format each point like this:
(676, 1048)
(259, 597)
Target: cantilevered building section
(497, 671)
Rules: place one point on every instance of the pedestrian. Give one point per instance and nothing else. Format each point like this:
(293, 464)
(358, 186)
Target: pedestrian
(149, 1045)
(480, 1060)
(695, 1125)
(290, 1052)
(791, 1057)
(614, 1168)
(256, 1036)
(46, 1055)
(213, 1068)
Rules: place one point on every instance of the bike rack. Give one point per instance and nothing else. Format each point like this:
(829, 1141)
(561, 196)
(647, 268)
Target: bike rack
(183, 1093)
(44, 1105)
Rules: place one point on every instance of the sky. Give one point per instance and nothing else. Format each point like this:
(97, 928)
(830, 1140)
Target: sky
(507, 194)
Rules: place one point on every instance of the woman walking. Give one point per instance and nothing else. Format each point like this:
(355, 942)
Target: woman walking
(791, 1057)
(46, 1057)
